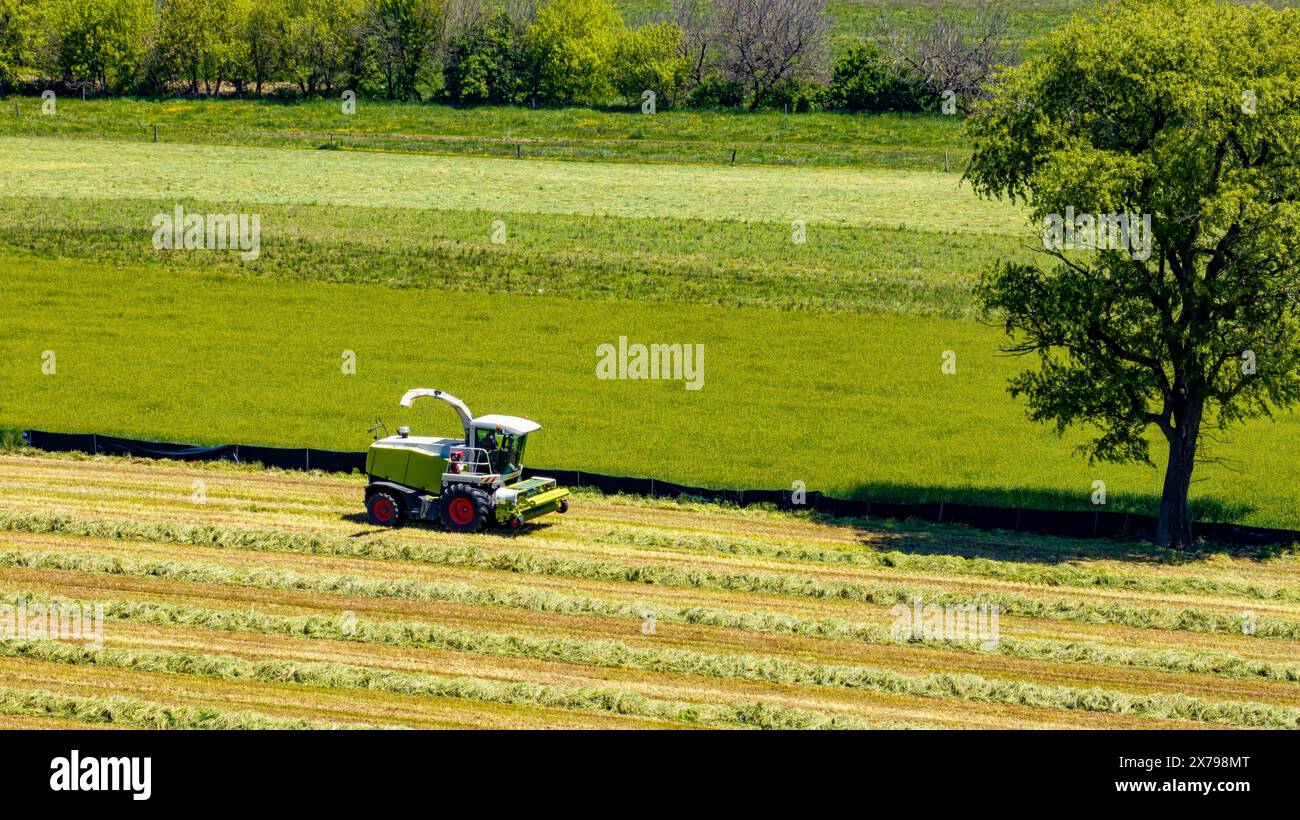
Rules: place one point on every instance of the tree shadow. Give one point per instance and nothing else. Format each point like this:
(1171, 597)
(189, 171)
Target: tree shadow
(1204, 508)
(925, 537)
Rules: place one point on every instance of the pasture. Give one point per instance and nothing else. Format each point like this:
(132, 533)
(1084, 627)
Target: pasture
(823, 356)
(932, 202)
(849, 404)
(888, 141)
(265, 602)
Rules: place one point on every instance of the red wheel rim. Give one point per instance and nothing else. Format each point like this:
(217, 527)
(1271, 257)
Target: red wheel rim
(383, 509)
(461, 510)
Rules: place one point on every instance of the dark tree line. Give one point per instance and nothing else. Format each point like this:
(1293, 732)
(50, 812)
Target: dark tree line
(751, 53)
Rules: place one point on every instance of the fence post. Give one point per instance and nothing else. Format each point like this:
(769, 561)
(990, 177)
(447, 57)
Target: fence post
(941, 512)
(155, 133)
(733, 156)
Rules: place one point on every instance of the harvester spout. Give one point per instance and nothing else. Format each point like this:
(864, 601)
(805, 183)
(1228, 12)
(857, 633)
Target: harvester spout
(456, 404)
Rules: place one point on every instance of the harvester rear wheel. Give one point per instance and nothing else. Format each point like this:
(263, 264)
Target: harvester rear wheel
(464, 509)
(383, 510)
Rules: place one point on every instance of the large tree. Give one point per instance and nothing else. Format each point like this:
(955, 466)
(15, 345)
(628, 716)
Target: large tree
(105, 43)
(406, 37)
(569, 45)
(762, 43)
(15, 20)
(1187, 112)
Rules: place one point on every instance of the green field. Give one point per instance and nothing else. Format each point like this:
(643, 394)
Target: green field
(1029, 20)
(822, 358)
(848, 404)
(931, 202)
(911, 141)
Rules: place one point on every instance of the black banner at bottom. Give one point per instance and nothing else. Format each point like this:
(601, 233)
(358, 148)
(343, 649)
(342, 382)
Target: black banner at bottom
(980, 770)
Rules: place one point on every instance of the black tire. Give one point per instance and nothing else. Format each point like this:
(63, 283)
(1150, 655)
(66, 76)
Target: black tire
(464, 508)
(384, 510)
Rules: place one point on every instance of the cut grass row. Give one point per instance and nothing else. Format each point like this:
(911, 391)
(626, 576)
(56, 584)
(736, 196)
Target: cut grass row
(172, 612)
(1060, 575)
(123, 711)
(145, 490)
(531, 560)
(1197, 619)
(773, 623)
(706, 625)
(412, 633)
(621, 656)
(156, 613)
(346, 676)
(327, 506)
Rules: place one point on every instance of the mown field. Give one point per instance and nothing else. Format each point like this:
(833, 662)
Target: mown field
(237, 597)
(822, 358)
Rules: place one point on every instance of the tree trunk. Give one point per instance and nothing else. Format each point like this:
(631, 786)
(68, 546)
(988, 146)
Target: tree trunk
(1174, 528)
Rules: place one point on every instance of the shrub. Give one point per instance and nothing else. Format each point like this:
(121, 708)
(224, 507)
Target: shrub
(865, 80)
(569, 46)
(649, 58)
(106, 42)
(483, 63)
(716, 92)
(792, 94)
(15, 17)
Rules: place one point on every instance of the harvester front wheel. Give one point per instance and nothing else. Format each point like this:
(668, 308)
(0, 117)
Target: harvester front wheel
(383, 510)
(464, 509)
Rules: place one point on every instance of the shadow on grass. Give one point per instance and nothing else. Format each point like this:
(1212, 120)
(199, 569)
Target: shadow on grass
(361, 519)
(922, 537)
(1205, 508)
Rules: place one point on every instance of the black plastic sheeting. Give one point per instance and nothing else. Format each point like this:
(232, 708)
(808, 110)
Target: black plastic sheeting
(1066, 523)
(331, 461)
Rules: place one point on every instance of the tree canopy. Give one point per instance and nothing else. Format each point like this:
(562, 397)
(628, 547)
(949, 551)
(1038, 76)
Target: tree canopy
(1184, 113)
